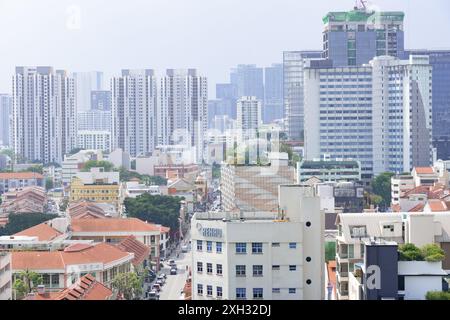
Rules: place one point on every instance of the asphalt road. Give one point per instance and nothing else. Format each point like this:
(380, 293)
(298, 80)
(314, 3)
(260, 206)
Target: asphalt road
(172, 289)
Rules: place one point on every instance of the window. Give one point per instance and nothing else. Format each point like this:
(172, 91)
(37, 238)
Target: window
(209, 246)
(292, 245)
(275, 244)
(292, 290)
(275, 267)
(200, 289)
(209, 290)
(199, 266)
(257, 270)
(199, 245)
(241, 293)
(209, 268)
(275, 290)
(240, 271)
(257, 247)
(219, 269)
(219, 292)
(218, 247)
(292, 267)
(257, 293)
(241, 247)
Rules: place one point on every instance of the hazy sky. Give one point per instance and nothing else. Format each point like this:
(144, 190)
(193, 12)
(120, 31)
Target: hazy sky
(211, 35)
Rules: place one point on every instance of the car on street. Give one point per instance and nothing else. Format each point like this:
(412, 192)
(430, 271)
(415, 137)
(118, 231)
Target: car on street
(160, 282)
(184, 248)
(171, 262)
(152, 295)
(156, 287)
(160, 278)
(173, 271)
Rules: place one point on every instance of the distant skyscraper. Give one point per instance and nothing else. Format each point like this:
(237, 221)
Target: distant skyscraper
(94, 120)
(378, 114)
(5, 112)
(355, 37)
(293, 64)
(227, 94)
(133, 112)
(248, 80)
(101, 100)
(440, 61)
(220, 107)
(249, 116)
(183, 109)
(44, 114)
(85, 83)
(273, 93)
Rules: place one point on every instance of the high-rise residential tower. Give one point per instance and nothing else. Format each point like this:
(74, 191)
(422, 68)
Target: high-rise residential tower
(249, 116)
(293, 64)
(273, 93)
(86, 82)
(378, 114)
(133, 111)
(44, 123)
(5, 113)
(248, 80)
(183, 109)
(355, 37)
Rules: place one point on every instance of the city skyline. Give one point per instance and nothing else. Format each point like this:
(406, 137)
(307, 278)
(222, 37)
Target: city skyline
(72, 31)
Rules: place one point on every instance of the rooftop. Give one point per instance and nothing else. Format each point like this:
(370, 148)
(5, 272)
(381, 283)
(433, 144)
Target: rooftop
(20, 175)
(42, 231)
(113, 225)
(363, 16)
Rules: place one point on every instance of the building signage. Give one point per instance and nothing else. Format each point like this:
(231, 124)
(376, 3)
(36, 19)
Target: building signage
(209, 232)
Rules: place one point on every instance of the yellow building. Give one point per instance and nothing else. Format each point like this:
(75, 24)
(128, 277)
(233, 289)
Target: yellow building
(97, 186)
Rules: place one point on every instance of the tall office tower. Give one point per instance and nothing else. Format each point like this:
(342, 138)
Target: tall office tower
(87, 82)
(227, 94)
(249, 117)
(293, 64)
(273, 93)
(440, 61)
(378, 114)
(5, 113)
(94, 120)
(248, 80)
(183, 110)
(355, 37)
(101, 100)
(44, 124)
(219, 107)
(133, 111)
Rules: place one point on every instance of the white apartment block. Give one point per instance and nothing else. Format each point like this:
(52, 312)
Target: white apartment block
(133, 111)
(183, 110)
(261, 255)
(74, 163)
(94, 140)
(44, 119)
(249, 117)
(94, 120)
(5, 276)
(378, 114)
(401, 227)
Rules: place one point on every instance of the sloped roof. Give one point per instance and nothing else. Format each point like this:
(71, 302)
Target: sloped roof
(20, 175)
(112, 225)
(424, 170)
(140, 250)
(86, 288)
(43, 231)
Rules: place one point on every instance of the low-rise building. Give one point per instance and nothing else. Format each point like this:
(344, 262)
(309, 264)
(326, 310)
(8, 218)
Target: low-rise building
(135, 188)
(73, 164)
(97, 186)
(24, 200)
(15, 180)
(261, 255)
(329, 170)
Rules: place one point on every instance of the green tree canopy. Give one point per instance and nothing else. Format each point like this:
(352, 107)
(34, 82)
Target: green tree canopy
(128, 285)
(48, 183)
(429, 252)
(381, 186)
(107, 166)
(24, 283)
(432, 252)
(164, 210)
(437, 295)
(21, 221)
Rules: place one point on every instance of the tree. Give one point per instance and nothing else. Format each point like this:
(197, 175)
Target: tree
(216, 171)
(293, 157)
(21, 221)
(64, 204)
(437, 295)
(107, 166)
(128, 285)
(25, 281)
(432, 253)
(48, 183)
(381, 186)
(409, 252)
(153, 180)
(126, 175)
(158, 209)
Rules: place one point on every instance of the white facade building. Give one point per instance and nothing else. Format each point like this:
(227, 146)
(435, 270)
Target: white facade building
(5, 276)
(249, 116)
(94, 120)
(73, 164)
(261, 255)
(378, 114)
(44, 123)
(133, 111)
(94, 140)
(183, 110)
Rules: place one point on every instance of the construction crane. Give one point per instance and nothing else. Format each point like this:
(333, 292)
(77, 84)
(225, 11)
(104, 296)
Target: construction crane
(360, 5)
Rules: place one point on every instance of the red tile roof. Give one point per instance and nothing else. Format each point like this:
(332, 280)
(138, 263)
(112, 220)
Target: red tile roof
(140, 250)
(86, 288)
(44, 260)
(424, 170)
(112, 225)
(437, 205)
(43, 231)
(20, 175)
(417, 208)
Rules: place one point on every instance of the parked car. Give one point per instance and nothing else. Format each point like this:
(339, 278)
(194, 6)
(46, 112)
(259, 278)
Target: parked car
(156, 287)
(152, 295)
(160, 282)
(173, 271)
(164, 275)
(184, 248)
(171, 262)
(161, 278)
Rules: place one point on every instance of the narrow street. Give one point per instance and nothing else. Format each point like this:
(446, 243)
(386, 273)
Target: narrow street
(172, 289)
